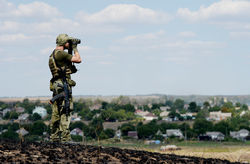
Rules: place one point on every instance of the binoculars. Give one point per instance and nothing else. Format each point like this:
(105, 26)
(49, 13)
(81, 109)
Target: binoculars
(74, 41)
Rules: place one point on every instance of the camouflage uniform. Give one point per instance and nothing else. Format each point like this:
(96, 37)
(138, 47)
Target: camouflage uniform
(60, 121)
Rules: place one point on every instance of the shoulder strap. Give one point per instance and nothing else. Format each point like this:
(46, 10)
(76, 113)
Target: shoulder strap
(56, 64)
(53, 55)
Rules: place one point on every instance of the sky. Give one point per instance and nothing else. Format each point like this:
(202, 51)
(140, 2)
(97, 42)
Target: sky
(129, 47)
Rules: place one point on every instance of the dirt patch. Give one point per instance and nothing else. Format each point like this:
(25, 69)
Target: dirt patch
(76, 153)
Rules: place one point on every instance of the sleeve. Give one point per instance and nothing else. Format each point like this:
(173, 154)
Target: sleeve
(64, 56)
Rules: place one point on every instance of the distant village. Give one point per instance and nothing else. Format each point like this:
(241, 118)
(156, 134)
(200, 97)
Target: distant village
(151, 120)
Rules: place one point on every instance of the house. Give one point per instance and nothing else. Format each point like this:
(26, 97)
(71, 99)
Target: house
(41, 111)
(3, 131)
(150, 117)
(186, 106)
(240, 135)
(95, 107)
(242, 113)
(204, 138)
(165, 108)
(76, 131)
(168, 119)
(216, 135)
(19, 109)
(118, 134)
(22, 132)
(23, 117)
(5, 111)
(133, 134)
(189, 115)
(218, 116)
(164, 114)
(174, 132)
(75, 117)
(141, 113)
(159, 133)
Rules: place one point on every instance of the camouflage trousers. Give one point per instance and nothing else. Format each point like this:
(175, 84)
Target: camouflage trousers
(59, 120)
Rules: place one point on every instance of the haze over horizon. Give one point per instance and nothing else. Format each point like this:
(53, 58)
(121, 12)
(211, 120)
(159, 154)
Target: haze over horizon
(129, 47)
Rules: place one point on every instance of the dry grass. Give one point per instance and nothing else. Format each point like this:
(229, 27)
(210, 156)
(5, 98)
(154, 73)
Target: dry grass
(234, 152)
(231, 153)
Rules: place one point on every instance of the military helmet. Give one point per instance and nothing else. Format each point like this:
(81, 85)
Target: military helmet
(62, 39)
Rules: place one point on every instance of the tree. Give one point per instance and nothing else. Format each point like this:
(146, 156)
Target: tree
(222, 127)
(201, 126)
(127, 127)
(97, 125)
(108, 115)
(202, 114)
(35, 117)
(120, 115)
(214, 109)
(104, 105)
(110, 133)
(169, 103)
(237, 104)
(10, 134)
(193, 107)
(178, 104)
(148, 130)
(156, 106)
(27, 105)
(156, 112)
(173, 114)
(187, 131)
(78, 124)
(11, 115)
(227, 107)
(206, 105)
(14, 126)
(164, 126)
(244, 107)
(38, 128)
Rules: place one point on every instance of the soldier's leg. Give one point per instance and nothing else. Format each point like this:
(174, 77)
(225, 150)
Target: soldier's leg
(64, 124)
(55, 123)
(64, 128)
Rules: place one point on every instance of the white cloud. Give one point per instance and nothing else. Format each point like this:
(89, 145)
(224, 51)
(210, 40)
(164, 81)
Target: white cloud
(240, 35)
(160, 47)
(196, 44)
(82, 49)
(187, 34)
(105, 63)
(144, 37)
(125, 13)
(47, 51)
(179, 60)
(222, 10)
(5, 7)
(9, 26)
(32, 10)
(19, 59)
(36, 9)
(159, 40)
(13, 37)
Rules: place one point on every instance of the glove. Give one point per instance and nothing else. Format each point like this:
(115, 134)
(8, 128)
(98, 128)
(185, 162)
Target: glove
(74, 47)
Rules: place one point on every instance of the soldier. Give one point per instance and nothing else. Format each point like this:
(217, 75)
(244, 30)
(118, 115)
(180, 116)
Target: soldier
(61, 67)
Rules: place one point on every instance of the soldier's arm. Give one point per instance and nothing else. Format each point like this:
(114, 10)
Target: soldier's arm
(76, 57)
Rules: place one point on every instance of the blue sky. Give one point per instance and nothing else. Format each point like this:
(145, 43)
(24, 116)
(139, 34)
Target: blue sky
(129, 47)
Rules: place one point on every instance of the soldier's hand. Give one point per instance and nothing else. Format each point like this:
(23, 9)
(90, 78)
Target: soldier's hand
(74, 47)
